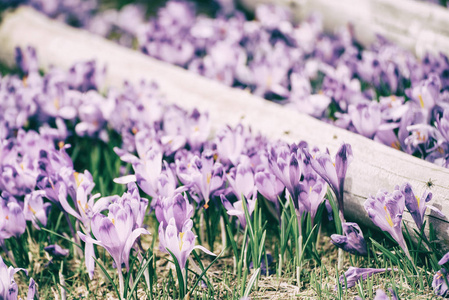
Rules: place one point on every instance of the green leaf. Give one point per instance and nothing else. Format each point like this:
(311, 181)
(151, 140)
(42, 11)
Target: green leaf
(204, 272)
(107, 276)
(182, 291)
(61, 236)
(251, 282)
(385, 251)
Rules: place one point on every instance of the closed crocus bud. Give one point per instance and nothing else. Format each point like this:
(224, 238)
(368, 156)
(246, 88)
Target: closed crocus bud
(284, 163)
(137, 204)
(354, 275)
(353, 241)
(268, 185)
(333, 174)
(56, 250)
(444, 259)
(12, 220)
(343, 158)
(230, 144)
(417, 206)
(26, 59)
(198, 129)
(243, 182)
(32, 290)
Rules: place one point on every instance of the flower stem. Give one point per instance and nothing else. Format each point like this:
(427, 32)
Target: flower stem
(120, 281)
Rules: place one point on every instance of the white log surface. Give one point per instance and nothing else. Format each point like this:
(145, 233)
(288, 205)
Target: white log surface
(414, 25)
(375, 166)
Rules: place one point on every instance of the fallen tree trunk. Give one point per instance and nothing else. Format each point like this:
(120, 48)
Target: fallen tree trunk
(375, 166)
(414, 25)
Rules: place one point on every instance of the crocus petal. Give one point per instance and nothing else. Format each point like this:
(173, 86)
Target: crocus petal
(31, 289)
(88, 239)
(89, 257)
(125, 179)
(444, 259)
(130, 242)
(204, 250)
(65, 204)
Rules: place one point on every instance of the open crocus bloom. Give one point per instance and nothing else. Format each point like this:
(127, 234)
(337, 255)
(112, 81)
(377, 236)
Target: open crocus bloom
(114, 232)
(181, 244)
(417, 206)
(385, 210)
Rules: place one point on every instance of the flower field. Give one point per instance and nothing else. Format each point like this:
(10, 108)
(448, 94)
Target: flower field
(115, 193)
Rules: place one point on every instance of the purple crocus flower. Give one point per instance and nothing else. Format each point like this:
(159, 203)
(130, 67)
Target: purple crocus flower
(12, 220)
(333, 174)
(86, 205)
(417, 206)
(137, 204)
(176, 207)
(204, 176)
(35, 210)
(385, 210)
(230, 144)
(385, 134)
(285, 164)
(444, 259)
(242, 181)
(85, 76)
(198, 129)
(381, 295)
(268, 185)
(352, 241)
(115, 233)
(18, 178)
(443, 125)
(26, 59)
(147, 168)
(181, 244)
(312, 191)
(426, 93)
(55, 170)
(91, 116)
(56, 250)
(439, 283)
(366, 118)
(8, 287)
(421, 135)
(354, 275)
(237, 209)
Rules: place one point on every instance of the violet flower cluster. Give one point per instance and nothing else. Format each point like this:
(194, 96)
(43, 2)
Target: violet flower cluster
(174, 161)
(386, 210)
(383, 92)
